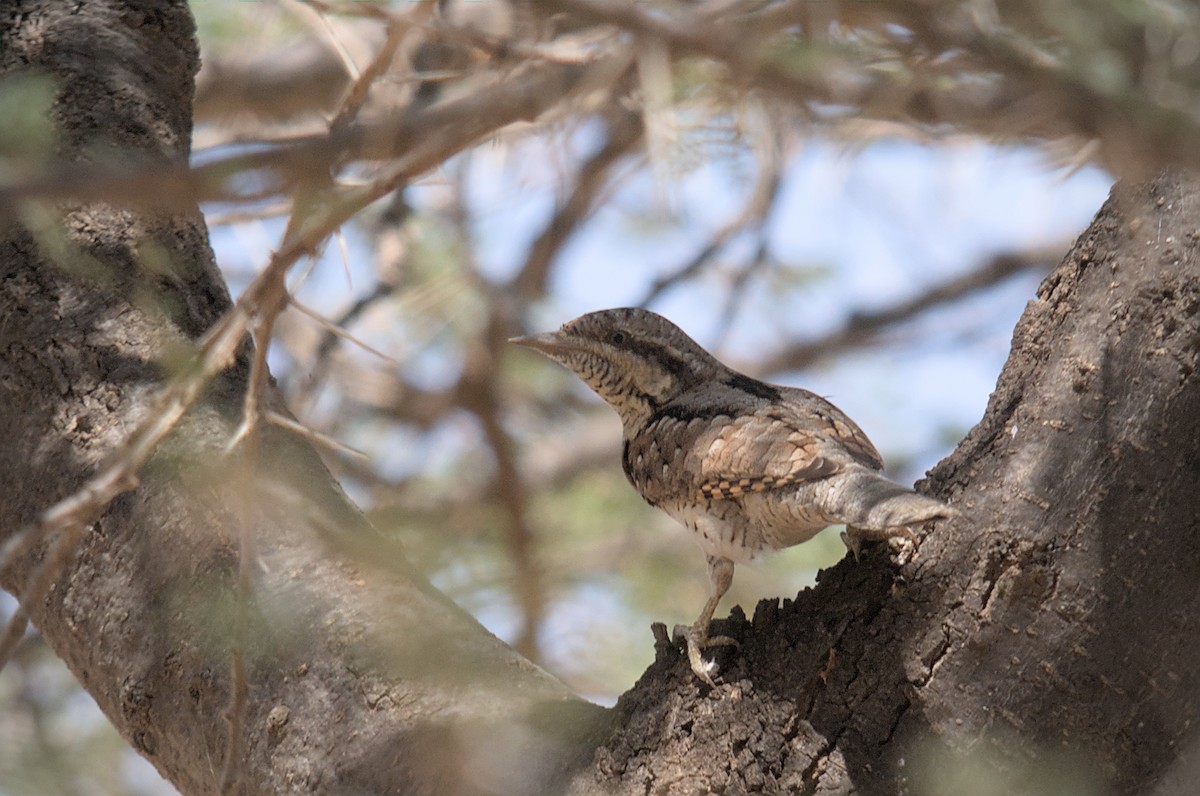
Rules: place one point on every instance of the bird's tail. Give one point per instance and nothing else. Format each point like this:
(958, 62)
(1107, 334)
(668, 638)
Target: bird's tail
(868, 501)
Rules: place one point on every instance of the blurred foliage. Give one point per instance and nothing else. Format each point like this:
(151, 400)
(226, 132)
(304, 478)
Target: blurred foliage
(27, 137)
(498, 471)
(993, 766)
(54, 740)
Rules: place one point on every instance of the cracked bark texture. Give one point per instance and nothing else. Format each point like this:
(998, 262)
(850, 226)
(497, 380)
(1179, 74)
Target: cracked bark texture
(1048, 639)
(362, 679)
(1048, 636)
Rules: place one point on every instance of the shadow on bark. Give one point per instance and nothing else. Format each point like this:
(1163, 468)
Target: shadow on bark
(1041, 643)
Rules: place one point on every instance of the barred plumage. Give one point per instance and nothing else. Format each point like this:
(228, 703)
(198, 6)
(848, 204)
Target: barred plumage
(748, 466)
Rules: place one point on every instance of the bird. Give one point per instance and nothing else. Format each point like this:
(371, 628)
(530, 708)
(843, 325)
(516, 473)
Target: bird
(748, 467)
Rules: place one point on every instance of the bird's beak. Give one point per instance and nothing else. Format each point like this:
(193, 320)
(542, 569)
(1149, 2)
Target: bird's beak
(548, 342)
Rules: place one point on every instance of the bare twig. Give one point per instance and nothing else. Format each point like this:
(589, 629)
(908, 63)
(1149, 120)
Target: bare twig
(316, 18)
(352, 9)
(478, 394)
(217, 349)
(312, 436)
(418, 141)
(860, 328)
(14, 633)
(625, 132)
(245, 446)
(361, 87)
(1019, 91)
(755, 263)
(337, 328)
(752, 217)
(334, 330)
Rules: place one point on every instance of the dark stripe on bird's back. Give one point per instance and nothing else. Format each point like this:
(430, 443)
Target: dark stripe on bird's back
(686, 414)
(754, 387)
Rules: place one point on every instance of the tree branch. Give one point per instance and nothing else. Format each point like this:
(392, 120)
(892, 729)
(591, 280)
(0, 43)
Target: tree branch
(341, 633)
(862, 327)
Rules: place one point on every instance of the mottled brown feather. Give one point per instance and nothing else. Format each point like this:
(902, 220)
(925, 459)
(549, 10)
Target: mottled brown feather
(805, 439)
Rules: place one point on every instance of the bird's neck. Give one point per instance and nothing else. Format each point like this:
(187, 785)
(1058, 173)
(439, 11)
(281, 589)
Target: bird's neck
(635, 411)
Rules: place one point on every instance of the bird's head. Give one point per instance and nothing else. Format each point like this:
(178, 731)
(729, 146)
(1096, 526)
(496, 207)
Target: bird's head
(634, 359)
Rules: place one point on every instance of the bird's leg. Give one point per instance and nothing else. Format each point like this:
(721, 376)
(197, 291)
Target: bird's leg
(853, 537)
(720, 576)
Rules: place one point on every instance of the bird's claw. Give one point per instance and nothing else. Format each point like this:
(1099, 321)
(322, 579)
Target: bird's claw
(902, 538)
(905, 545)
(853, 543)
(696, 638)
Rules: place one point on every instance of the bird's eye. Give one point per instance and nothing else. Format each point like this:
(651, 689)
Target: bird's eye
(617, 338)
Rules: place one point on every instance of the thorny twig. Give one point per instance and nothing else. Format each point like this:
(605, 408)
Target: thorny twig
(625, 131)
(753, 216)
(862, 327)
(244, 445)
(215, 353)
(316, 18)
(315, 437)
(246, 439)
(356, 95)
(417, 141)
(477, 392)
(1027, 86)
(336, 329)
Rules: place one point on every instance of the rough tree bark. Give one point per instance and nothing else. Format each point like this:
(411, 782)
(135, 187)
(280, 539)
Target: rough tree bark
(361, 677)
(1052, 633)
(1054, 626)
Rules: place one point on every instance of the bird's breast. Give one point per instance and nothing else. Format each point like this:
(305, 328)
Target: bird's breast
(664, 461)
(657, 467)
(720, 531)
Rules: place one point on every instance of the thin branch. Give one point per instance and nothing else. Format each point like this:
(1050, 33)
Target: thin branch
(957, 71)
(478, 393)
(352, 9)
(315, 437)
(862, 327)
(420, 141)
(248, 215)
(217, 349)
(14, 633)
(361, 87)
(625, 131)
(753, 216)
(245, 446)
(758, 260)
(315, 18)
(338, 329)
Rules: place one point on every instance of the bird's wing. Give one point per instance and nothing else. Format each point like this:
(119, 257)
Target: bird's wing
(804, 438)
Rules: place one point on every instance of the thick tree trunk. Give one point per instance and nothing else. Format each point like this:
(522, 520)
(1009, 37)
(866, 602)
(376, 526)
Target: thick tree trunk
(361, 678)
(1048, 636)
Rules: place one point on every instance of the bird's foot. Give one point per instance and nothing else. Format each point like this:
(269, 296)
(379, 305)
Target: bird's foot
(696, 638)
(904, 543)
(853, 543)
(901, 538)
